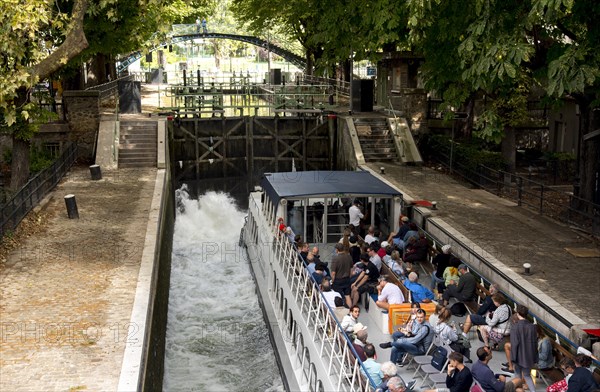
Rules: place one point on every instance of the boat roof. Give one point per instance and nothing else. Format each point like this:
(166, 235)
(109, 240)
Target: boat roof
(324, 183)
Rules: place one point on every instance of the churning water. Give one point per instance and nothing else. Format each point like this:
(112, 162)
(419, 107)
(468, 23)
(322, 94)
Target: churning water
(216, 339)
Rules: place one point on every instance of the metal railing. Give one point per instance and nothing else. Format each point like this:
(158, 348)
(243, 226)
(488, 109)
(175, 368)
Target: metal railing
(110, 89)
(545, 199)
(340, 87)
(325, 334)
(19, 205)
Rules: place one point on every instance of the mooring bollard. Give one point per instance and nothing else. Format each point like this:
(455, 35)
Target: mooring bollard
(527, 268)
(95, 172)
(71, 207)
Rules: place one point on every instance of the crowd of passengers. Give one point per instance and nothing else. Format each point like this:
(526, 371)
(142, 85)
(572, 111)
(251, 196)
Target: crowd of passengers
(355, 268)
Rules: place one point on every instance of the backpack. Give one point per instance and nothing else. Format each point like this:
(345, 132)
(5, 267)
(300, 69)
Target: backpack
(458, 309)
(438, 358)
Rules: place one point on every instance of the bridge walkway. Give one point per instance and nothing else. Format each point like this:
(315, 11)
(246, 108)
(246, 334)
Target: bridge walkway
(513, 235)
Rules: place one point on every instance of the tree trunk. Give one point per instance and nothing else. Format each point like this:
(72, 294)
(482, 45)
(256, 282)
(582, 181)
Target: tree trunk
(509, 148)
(467, 129)
(19, 169)
(309, 62)
(347, 69)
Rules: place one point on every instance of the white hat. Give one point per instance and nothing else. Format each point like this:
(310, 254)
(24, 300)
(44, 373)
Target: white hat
(384, 244)
(446, 249)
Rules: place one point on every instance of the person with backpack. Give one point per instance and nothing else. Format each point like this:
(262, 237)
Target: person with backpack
(415, 343)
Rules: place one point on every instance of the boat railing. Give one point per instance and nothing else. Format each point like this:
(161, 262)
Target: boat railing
(334, 349)
(334, 345)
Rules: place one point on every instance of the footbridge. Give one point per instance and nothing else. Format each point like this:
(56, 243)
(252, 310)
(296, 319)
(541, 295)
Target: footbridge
(177, 37)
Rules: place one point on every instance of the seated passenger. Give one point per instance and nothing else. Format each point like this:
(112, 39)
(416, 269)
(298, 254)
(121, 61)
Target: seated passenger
(487, 379)
(329, 294)
(487, 306)
(458, 378)
(354, 249)
(419, 292)
(374, 257)
(440, 262)
(366, 281)
(360, 340)
(388, 293)
(567, 366)
(466, 288)
(445, 333)
(416, 343)
(451, 277)
(582, 379)
(304, 248)
(389, 370)
(413, 232)
(340, 310)
(417, 250)
(383, 251)
(372, 367)
(395, 263)
(398, 238)
(370, 237)
(319, 273)
(350, 320)
(498, 325)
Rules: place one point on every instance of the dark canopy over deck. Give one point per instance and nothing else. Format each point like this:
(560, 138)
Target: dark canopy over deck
(323, 184)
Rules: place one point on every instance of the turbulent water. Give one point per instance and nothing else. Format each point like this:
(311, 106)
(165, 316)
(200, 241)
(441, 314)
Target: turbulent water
(216, 336)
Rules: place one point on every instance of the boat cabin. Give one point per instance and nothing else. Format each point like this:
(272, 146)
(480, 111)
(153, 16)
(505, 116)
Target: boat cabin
(315, 204)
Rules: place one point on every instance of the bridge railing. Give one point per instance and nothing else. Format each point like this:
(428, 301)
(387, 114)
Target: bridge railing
(110, 89)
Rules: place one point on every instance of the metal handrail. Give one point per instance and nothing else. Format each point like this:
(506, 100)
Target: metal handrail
(110, 89)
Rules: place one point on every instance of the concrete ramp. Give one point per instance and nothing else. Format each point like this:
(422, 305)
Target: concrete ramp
(405, 143)
(107, 147)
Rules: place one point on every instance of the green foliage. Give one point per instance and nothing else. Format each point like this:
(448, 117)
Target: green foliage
(470, 153)
(39, 159)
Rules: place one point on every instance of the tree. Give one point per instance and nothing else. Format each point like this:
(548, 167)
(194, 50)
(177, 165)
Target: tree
(25, 61)
(41, 38)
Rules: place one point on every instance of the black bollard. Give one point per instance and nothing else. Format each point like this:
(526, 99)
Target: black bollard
(71, 207)
(95, 172)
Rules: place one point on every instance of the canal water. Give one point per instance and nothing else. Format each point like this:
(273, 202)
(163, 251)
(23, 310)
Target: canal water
(216, 339)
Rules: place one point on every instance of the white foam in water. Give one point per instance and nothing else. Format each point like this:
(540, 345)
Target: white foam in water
(216, 336)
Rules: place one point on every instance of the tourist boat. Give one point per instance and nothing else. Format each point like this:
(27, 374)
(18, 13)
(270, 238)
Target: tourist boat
(313, 352)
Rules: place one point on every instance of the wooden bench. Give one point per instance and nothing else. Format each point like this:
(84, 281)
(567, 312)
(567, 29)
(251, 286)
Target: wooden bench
(482, 292)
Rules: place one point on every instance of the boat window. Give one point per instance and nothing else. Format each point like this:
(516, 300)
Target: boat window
(312, 378)
(320, 387)
(299, 345)
(283, 307)
(290, 321)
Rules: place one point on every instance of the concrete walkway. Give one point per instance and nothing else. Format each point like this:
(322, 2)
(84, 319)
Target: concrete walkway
(66, 293)
(514, 235)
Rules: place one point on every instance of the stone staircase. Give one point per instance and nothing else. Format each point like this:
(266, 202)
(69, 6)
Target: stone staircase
(375, 138)
(137, 144)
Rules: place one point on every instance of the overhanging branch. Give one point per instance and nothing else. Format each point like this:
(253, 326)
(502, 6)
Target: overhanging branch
(74, 44)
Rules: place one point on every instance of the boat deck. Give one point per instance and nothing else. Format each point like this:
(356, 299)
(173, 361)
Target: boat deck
(373, 320)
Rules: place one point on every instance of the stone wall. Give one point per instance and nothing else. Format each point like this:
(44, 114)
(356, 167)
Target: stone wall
(83, 114)
(412, 103)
